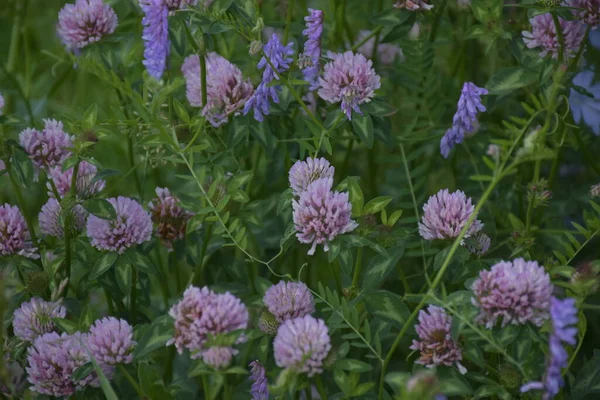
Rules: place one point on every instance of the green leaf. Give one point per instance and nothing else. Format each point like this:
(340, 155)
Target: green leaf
(194, 223)
(105, 173)
(65, 325)
(123, 275)
(392, 219)
(101, 208)
(103, 264)
(155, 337)
(141, 262)
(80, 373)
(352, 365)
(387, 306)
(380, 266)
(378, 108)
(181, 111)
(587, 381)
(356, 196)
(363, 127)
(375, 205)
(89, 117)
(391, 17)
(21, 167)
(346, 260)
(510, 79)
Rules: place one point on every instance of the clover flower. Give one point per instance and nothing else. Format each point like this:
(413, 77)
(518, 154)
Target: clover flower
(435, 343)
(14, 234)
(155, 36)
(543, 35)
(303, 173)
(595, 190)
(49, 147)
(445, 214)
(312, 47)
(563, 316)
(289, 300)
(348, 79)
(479, 245)
(86, 172)
(218, 357)
(51, 219)
(1, 104)
(465, 118)
(226, 89)
(203, 313)
(302, 344)
(590, 13)
(387, 53)
(131, 226)
(168, 216)
(111, 341)
(586, 109)
(413, 5)
(321, 214)
(280, 59)
(517, 292)
(34, 318)
(258, 377)
(85, 22)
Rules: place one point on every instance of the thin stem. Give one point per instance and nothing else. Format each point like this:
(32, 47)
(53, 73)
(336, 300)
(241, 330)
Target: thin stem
(130, 152)
(205, 387)
(373, 33)
(561, 38)
(132, 381)
(357, 267)
(288, 20)
(133, 295)
(203, 77)
(200, 267)
(67, 222)
(575, 60)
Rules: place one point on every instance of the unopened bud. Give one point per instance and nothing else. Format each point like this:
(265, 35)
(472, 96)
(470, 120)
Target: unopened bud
(351, 292)
(58, 292)
(37, 283)
(509, 377)
(267, 323)
(255, 47)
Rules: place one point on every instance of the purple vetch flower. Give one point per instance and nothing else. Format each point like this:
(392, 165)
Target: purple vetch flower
(493, 151)
(586, 109)
(133, 225)
(226, 89)
(203, 312)
(218, 357)
(595, 190)
(34, 318)
(517, 292)
(564, 317)
(260, 385)
(279, 58)
(435, 343)
(543, 35)
(1, 103)
(312, 47)
(85, 22)
(49, 147)
(2, 166)
(302, 344)
(289, 300)
(111, 341)
(445, 214)
(52, 360)
(155, 36)
(14, 234)
(413, 5)
(168, 216)
(590, 13)
(84, 186)
(465, 118)
(479, 244)
(321, 214)
(52, 221)
(303, 173)
(387, 53)
(348, 79)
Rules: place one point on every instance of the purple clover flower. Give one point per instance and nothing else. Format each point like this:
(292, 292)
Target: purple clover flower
(348, 79)
(321, 214)
(413, 5)
(1, 103)
(465, 118)
(168, 216)
(586, 109)
(47, 148)
(155, 36)
(517, 291)
(435, 343)
(218, 357)
(51, 219)
(85, 22)
(590, 13)
(226, 90)
(303, 173)
(280, 57)
(302, 344)
(543, 35)
(312, 47)
(202, 313)
(258, 376)
(289, 300)
(132, 226)
(84, 186)
(34, 318)
(479, 245)
(445, 214)
(14, 234)
(563, 316)
(111, 341)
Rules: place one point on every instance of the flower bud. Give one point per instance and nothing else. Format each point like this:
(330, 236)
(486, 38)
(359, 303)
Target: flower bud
(267, 323)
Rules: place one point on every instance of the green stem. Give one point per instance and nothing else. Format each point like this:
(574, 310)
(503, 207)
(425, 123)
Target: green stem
(168, 374)
(21, 204)
(373, 33)
(436, 282)
(575, 60)
(68, 218)
(561, 38)
(200, 267)
(111, 307)
(203, 77)
(357, 267)
(206, 387)
(131, 153)
(132, 381)
(133, 295)
(288, 20)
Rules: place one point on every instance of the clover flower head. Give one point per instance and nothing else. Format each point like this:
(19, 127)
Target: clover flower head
(34, 318)
(445, 214)
(85, 22)
(303, 173)
(289, 300)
